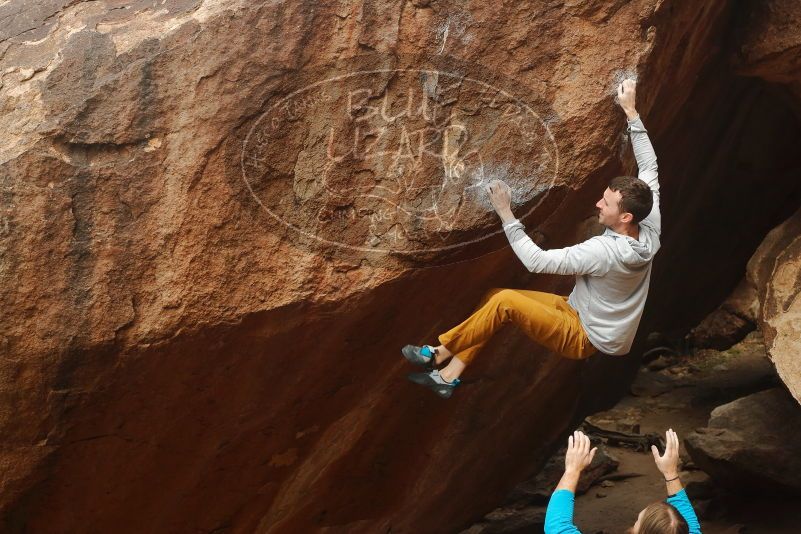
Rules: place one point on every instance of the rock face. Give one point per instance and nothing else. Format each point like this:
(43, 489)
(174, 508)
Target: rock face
(769, 41)
(771, 49)
(752, 444)
(730, 321)
(775, 270)
(204, 292)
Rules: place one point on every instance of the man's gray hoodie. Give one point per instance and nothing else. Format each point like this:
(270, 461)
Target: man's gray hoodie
(612, 271)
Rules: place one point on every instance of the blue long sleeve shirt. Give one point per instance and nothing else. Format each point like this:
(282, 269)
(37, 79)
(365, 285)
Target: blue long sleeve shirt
(559, 515)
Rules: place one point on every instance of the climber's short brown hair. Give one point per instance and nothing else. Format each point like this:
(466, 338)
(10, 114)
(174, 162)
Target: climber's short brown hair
(636, 197)
(662, 518)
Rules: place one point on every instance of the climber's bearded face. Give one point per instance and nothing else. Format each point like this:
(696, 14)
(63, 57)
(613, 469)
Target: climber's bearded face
(609, 208)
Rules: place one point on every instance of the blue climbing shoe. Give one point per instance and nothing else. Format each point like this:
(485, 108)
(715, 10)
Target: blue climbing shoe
(423, 356)
(435, 383)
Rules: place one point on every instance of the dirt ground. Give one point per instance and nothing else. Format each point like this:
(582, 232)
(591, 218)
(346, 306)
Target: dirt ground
(678, 392)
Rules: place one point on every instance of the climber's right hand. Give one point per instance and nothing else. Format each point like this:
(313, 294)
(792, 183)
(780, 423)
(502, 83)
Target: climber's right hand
(626, 96)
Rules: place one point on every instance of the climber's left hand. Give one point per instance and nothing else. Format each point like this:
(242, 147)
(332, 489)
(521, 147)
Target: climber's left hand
(500, 196)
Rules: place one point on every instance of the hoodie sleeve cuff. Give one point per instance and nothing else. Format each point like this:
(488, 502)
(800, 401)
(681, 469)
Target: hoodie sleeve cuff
(635, 124)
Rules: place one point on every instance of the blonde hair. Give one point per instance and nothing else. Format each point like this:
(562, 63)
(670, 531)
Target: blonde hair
(662, 518)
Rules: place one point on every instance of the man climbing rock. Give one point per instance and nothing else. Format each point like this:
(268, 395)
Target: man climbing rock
(612, 270)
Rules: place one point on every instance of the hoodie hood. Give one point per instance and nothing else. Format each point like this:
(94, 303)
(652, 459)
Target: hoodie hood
(632, 252)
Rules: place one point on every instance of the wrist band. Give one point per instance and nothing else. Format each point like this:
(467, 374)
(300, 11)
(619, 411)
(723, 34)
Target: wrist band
(671, 479)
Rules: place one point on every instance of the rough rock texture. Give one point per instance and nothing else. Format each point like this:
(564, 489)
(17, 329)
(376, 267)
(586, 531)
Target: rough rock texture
(769, 43)
(174, 360)
(775, 271)
(730, 321)
(771, 49)
(752, 444)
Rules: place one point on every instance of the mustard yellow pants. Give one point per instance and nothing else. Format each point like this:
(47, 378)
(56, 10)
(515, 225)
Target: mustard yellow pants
(546, 318)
